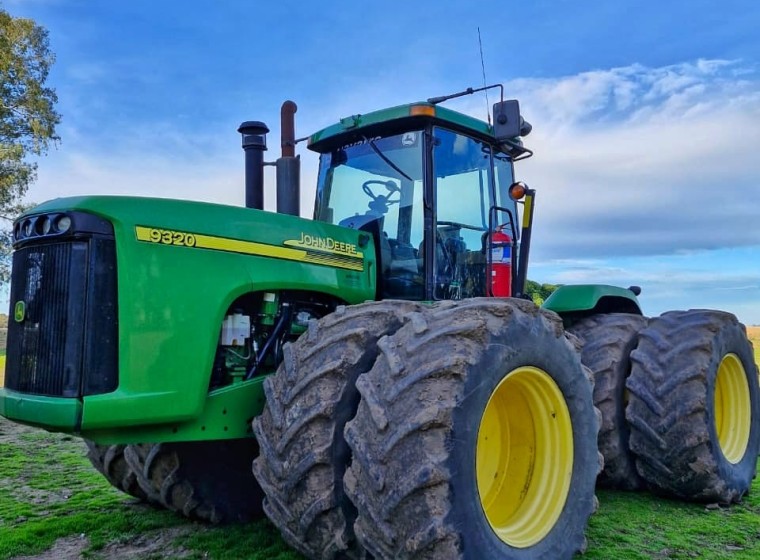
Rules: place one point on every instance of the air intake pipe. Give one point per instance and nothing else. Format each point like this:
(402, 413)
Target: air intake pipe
(289, 165)
(255, 144)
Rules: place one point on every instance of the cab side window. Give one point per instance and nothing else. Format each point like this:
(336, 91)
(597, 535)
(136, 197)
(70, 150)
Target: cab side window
(463, 186)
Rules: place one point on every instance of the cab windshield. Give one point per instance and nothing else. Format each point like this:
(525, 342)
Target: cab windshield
(378, 178)
(377, 184)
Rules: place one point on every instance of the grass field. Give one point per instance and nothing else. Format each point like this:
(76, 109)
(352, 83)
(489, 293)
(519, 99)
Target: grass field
(52, 500)
(50, 496)
(54, 505)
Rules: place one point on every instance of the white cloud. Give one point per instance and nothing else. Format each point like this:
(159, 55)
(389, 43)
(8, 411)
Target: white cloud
(640, 160)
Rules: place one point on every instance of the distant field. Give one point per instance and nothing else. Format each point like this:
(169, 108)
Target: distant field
(3, 341)
(754, 336)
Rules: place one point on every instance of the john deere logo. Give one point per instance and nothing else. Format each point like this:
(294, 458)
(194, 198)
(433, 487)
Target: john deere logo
(19, 311)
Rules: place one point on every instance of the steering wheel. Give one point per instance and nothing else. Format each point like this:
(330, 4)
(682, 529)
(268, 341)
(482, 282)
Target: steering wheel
(390, 185)
(380, 202)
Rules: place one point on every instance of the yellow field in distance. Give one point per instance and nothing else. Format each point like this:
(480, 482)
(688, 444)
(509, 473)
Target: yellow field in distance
(754, 336)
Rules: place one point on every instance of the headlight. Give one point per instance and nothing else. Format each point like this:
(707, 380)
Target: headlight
(43, 225)
(62, 224)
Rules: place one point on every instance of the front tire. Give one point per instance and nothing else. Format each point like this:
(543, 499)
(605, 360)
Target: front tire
(476, 437)
(694, 406)
(309, 400)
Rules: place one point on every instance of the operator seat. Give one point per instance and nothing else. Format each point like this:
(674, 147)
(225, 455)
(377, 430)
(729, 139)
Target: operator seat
(404, 278)
(398, 264)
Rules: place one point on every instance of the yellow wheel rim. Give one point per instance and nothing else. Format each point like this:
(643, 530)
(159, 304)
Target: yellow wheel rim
(524, 458)
(733, 410)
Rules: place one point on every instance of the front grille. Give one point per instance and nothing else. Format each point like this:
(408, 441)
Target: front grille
(63, 321)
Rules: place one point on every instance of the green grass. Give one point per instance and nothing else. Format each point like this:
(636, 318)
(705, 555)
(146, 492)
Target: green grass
(49, 490)
(640, 526)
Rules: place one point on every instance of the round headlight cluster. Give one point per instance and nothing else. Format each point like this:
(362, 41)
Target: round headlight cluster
(49, 224)
(62, 224)
(43, 225)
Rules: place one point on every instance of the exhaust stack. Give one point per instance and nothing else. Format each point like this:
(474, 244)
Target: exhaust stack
(255, 144)
(289, 165)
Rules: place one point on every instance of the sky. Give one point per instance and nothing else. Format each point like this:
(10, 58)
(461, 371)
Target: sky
(646, 114)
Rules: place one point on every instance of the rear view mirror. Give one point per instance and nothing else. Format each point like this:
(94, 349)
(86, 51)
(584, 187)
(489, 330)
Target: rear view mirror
(507, 122)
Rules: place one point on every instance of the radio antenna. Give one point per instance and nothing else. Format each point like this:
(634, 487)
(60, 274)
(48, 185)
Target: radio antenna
(483, 68)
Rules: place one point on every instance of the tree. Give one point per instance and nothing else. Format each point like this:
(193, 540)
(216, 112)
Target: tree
(27, 115)
(539, 292)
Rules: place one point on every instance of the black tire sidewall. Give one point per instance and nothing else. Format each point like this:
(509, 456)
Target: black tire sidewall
(220, 478)
(563, 365)
(610, 384)
(732, 340)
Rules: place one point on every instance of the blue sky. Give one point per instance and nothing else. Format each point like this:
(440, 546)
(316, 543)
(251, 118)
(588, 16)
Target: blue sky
(646, 114)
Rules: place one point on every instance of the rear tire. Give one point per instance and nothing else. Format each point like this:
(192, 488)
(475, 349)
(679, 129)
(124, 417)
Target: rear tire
(439, 465)
(608, 341)
(135, 454)
(109, 460)
(207, 480)
(309, 400)
(694, 406)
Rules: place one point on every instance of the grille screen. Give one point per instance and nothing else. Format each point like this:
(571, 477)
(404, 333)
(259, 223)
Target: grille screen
(55, 332)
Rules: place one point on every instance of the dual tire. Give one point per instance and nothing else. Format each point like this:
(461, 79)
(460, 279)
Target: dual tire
(474, 436)
(680, 402)
(485, 403)
(694, 406)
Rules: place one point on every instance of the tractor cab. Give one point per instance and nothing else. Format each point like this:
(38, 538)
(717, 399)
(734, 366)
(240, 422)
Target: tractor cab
(431, 186)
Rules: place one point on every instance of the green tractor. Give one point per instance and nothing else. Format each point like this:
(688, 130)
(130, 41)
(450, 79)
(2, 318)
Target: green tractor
(379, 368)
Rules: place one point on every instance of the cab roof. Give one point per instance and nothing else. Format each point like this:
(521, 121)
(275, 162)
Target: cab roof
(402, 116)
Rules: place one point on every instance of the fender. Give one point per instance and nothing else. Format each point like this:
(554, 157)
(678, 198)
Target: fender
(582, 300)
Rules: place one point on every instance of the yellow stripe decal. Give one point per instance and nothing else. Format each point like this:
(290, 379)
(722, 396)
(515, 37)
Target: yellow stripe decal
(526, 211)
(228, 245)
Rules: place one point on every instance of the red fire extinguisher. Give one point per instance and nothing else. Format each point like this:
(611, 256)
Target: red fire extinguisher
(501, 263)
